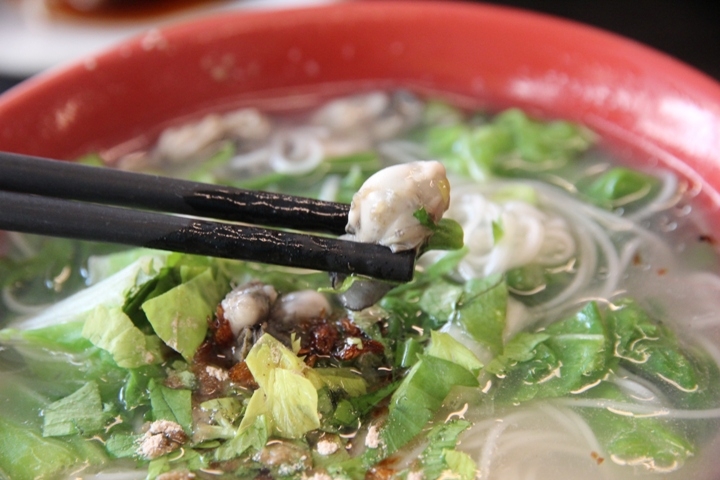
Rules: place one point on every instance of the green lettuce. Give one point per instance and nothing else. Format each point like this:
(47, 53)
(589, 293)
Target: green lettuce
(61, 360)
(652, 443)
(447, 234)
(442, 439)
(79, 413)
(113, 331)
(416, 400)
(108, 292)
(568, 356)
(254, 435)
(288, 390)
(620, 186)
(180, 315)
(510, 143)
(26, 455)
(342, 379)
(481, 309)
(170, 404)
(443, 345)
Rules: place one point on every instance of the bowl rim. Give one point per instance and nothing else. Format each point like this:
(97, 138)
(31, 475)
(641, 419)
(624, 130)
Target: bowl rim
(681, 130)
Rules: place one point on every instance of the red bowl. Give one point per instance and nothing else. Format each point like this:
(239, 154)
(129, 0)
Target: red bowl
(646, 106)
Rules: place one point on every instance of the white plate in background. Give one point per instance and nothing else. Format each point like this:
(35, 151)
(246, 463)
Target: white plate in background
(31, 42)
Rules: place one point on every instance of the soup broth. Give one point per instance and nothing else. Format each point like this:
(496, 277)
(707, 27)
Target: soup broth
(574, 335)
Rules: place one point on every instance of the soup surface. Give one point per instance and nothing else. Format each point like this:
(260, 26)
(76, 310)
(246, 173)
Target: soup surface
(573, 335)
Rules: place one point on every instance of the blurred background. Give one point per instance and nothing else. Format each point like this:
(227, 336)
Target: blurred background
(39, 34)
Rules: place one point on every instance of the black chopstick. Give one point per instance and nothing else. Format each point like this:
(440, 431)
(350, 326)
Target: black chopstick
(56, 198)
(41, 176)
(84, 221)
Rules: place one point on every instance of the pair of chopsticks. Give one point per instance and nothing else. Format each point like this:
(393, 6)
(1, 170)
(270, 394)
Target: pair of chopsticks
(65, 199)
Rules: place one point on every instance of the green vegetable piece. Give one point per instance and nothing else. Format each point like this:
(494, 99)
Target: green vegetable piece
(292, 401)
(568, 356)
(157, 467)
(229, 408)
(172, 405)
(365, 403)
(366, 162)
(482, 148)
(650, 349)
(521, 348)
(345, 414)
(257, 407)
(497, 231)
(439, 300)
(179, 316)
(440, 140)
(416, 400)
(288, 389)
(92, 159)
(123, 445)
(447, 233)
(407, 354)
(26, 455)
(269, 354)
(135, 391)
(461, 464)
(61, 361)
(190, 460)
(527, 278)
(649, 442)
(518, 191)
(113, 331)
(443, 345)
(100, 267)
(342, 379)
(252, 436)
(551, 144)
(481, 310)
(110, 291)
(441, 439)
(66, 337)
(80, 413)
(620, 186)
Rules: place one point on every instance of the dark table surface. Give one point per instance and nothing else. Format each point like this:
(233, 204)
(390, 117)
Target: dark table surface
(688, 30)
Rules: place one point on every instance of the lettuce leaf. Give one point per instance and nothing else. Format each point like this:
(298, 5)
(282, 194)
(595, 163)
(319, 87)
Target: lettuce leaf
(172, 405)
(650, 349)
(180, 315)
(60, 360)
(482, 308)
(123, 445)
(441, 439)
(447, 234)
(569, 355)
(342, 379)
(478, 151)
(652, 443)
(288, 390)
(26, 455)
(416, 401)
(113, 331)
(292, 402)
(620, 186)
(79, 413)
(109, 292)
(253, 436)
(461, 464)
(443, 345)
(189, 460)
